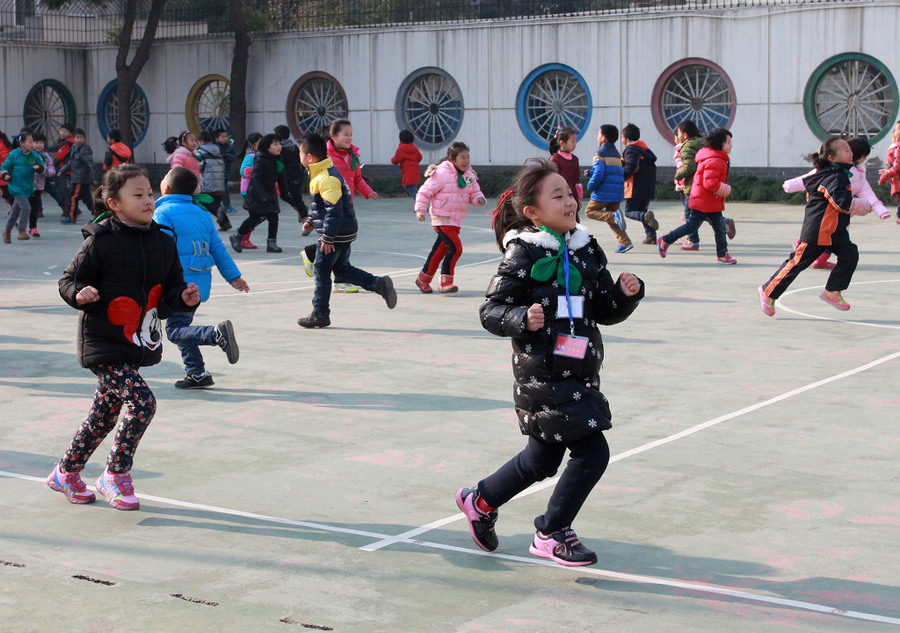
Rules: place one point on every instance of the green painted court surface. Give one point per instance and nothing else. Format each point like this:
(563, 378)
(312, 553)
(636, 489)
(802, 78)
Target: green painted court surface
(753, 486)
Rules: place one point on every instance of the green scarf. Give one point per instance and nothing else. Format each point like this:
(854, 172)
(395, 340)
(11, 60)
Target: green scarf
(202, 199)
(544, 268)
(354, 160)
(460, 180)
(846, 171)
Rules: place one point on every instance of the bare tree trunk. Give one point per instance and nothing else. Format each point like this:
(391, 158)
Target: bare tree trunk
(238, 89)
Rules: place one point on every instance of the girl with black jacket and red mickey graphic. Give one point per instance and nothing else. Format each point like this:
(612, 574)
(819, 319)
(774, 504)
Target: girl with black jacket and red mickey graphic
(125, 279)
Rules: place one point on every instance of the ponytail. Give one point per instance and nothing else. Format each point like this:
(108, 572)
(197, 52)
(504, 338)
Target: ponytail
(820, 159)
(526, 189)
(562, 135)
(170, 144)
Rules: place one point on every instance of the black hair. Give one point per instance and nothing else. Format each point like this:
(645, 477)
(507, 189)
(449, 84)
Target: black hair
(631, 132)
(266, 142)
(717, 138)
(206, 137)
(337, 125)
(113, 181)
(78, 131)
(860, 148)
(37, 137)
(562, 135)
(253, 137)
(182, 181)
(283, 132)
(688, 127)
(170, 144)
(115, 135)
(610, 132)
(525, 191)
(820, 159)
(406, 136)
(314, 145)
(455, 149)
(67, 126)
(218, 131)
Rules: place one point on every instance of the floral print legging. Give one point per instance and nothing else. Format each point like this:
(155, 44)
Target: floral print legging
(117, 384)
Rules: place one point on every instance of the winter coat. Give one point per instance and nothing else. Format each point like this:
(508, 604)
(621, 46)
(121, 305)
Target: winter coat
(294, 171)
(212, 168)
(267, 183)
(197, 241)
(139, 279)
(892, 163)
(639, 164)
(247, 170)
(827, 206)
(21, 169)
(63, 155)
(688, 156)
(40, 179)
(408, 157)
(182, 157)
(864, 199)
(710, 183)
(557, 398)
(82, 164)
(607, 181)
(343, 160)
(447, 201)
(567, 165)
(117, 154)
(331, 210)
(228, 155)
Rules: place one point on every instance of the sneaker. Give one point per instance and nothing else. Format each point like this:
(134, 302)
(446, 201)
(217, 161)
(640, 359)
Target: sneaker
(766, 303)
(385, 287)
(230, 210)
(651, 221)
(71, 485)
(342, 287)
(225, 339)
(835, 299)
(729, 225)
(314, 320)
(624, 248)
(688, 245)
(620, 219)
(67, 220)
(118, 490)
(826, 265)
(34, 233)
(307, 263)
(661, 247)
(562, 547)
(726, 259)
(235, 239)
(195, 381)
(481, 525)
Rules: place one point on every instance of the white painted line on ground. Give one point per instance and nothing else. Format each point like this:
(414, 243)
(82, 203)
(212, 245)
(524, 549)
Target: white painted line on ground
(601, 573)
(783, 307)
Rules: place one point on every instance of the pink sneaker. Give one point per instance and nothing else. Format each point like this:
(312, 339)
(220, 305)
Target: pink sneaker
(726, 259)
(767, 304)
(481, 525)
(661, 247)
(688, 245)
(835, 299)
(71, 485)
(118, 490)
(562, 547)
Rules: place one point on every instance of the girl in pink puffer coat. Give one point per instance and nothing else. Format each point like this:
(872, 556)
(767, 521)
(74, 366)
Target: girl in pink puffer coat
(449, 190)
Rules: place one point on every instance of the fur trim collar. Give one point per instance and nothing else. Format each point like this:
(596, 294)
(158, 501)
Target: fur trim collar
(579, 238)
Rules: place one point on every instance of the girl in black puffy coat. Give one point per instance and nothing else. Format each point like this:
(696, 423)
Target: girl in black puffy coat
(550, 300)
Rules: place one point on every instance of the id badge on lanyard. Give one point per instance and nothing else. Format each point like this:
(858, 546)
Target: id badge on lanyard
(570, 345)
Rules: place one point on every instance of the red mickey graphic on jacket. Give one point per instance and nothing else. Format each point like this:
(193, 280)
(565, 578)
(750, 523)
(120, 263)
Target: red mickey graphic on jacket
(143, 332)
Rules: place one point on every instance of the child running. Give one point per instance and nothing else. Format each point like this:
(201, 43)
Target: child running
(122, 298)
(607, 186)
(709, 188)
(408, 157)
(891, 169)
(199, 249)
(332, 215)
(447, 194)
(639, 163)
(19, 169)
(40, 184)
(549, 295)
(825, 223)
(246, 171)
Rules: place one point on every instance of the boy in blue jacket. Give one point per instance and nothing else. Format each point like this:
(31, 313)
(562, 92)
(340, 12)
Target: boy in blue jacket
(607, 186)
(199, 249)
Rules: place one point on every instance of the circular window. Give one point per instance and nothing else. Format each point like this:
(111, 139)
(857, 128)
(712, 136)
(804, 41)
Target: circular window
(314, 101)
(48, 105)
(430, 105)
(551, 97)
(108, 111)
(852, 94)
(694, 89)
(209, 105)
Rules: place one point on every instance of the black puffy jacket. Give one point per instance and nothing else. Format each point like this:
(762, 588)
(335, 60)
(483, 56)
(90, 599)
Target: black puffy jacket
(828, 198)
(262, 195)
(557, 398)
(139, 278)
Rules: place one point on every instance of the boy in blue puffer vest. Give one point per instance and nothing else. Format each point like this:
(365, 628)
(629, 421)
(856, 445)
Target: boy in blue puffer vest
(607, 186)
(199, 249)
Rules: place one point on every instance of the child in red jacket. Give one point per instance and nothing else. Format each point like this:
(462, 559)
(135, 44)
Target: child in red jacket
(891, 171)
(708, 192)
(408, 157)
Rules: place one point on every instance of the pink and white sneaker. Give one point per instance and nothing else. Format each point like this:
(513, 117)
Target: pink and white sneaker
(118, 490)
(766, 303)
(71, 485)
(562, 547)
(835, 299)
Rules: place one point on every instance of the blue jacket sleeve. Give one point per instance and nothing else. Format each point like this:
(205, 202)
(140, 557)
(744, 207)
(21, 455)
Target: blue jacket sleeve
(598, 174)
(227, 268)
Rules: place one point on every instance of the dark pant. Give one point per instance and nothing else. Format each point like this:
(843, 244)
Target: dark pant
(189, 338)
(56, 192)
(693, 237)
(636, 209)
(338, 262)
(79, 191)
(37, 206)
(295, 190)
(539, 460)
(117, 384)
(445, 252)
(253, 220)
(693, 222)
(213, 208)
(805, 254)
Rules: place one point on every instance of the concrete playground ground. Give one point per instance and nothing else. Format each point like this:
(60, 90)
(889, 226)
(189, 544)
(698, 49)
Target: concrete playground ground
(753, 485)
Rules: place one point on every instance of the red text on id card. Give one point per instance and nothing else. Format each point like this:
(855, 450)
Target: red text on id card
(571, 346)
